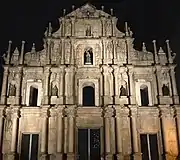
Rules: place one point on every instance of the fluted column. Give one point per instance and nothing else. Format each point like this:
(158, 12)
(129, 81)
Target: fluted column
(131, 86)
(174, 86)
(15, 119)
(108, 113)
(118, 132)
(4, 86)
(60, 131)
(44, 132)
(169, 133)
(70, 111)
(46, 85)
(136, 154)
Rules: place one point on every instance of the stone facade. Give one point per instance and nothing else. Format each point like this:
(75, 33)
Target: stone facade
(89, 51)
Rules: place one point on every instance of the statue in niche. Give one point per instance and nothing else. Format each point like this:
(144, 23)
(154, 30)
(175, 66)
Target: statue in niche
(88, 30)
(12, 89)
(88, 57)
(165, 90)
(54, 90)
(123, 91)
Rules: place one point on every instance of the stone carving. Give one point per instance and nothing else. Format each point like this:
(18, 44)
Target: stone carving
(54, 90)
(109, 49)
(165, 90)
(67, 51)
(88, 56)
(12, 89)
(108, 28)
(123, 91)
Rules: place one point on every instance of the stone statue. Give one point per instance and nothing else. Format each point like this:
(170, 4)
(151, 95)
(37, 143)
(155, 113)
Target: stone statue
(54, 90)
(88, 30)
(12, 90)
(123, 91)
(88, 58)
(165, 90)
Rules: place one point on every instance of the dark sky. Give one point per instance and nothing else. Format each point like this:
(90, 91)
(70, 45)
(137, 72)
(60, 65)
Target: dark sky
(149, 19)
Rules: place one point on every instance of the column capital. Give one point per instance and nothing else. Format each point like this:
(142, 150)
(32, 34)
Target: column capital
(60, 109)
(45, 112)
(15, 111)
(167, 112)
(53, 112)
(47, 69)
(108, 111)
(70, 111)
(133, 110)
(1, 112)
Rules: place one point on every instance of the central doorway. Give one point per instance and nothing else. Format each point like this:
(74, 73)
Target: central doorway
(89, 147)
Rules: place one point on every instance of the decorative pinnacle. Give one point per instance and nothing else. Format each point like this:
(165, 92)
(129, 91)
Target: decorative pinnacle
(73, 6)
(161, 50)
(23, 42)
(111, 11)
(50, 29)
(144, 47)
(126, 29)
(10, 41)
(154, 44)
(33, 48)
(64, 12)
(102, 8)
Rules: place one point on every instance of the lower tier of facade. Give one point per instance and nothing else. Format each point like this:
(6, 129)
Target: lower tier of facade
(69, 132)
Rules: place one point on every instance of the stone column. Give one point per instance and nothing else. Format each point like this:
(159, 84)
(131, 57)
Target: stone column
(155, 87)
(62, 51)
(46, 85)
(18, 90)
(168, 130)
(44, 132)
(177, 110)
(114, 20)
(73, 26)
(69, 84)
(103, 26)
(60, 132)
(131, 86)
(108, 113)
(159, 80)
(118, 133)
(61, 85)
(174, 86)
(1, 127)
(4, 85)
(70, 111)
(136, 153)
(48, 50)
(15, 119)
(116, 83)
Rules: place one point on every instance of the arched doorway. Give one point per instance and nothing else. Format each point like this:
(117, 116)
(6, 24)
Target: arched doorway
(144, 95)
(33, 96)
(88, 96)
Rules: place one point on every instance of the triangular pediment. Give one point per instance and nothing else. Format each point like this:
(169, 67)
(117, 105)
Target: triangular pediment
(87, 10)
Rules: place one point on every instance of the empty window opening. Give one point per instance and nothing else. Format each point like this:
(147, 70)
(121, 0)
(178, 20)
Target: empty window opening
(165, 90)
(29, 147)
(88, 56)
(33, 96)
(149, 147)
(88, 96)
(144, 95)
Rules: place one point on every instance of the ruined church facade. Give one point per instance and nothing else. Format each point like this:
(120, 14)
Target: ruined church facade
(89, 95)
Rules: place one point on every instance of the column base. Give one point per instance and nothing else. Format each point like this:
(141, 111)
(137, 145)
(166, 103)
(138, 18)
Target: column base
(109, 157)
(59, 156)
(108, 100)
(44, 156)
(119, 156)
(170, 157)
(137, 156)
(70, 156)
(10, 156)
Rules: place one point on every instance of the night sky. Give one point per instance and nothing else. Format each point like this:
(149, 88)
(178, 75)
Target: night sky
(149, 19)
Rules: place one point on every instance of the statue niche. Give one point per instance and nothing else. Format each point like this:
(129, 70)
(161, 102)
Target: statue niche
(54, 89)
(12, 89)
(165, 90)
(88, 31)
(88, 56)
(123, 91)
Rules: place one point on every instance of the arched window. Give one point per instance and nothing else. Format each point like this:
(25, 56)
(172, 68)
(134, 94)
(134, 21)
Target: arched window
(88, 56)
(144, 95)
(33, 96)
(123, 91)
(165, 90)
(88, 96)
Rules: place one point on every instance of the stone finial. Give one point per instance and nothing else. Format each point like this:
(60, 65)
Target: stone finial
(161, 50)
(9, 51)
(16, 51)
(111, 11)
(126, 29)
(33, 48)
(49, 29)
(154, 45)
(73, 7)
(64, 12)
(144, 49)
(102, 8)
(22, 52)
